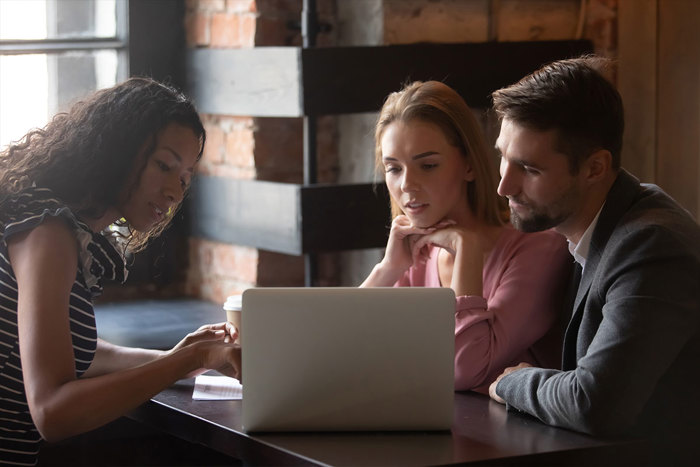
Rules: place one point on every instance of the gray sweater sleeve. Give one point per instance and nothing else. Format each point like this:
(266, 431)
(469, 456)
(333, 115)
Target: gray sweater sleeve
(641, 316)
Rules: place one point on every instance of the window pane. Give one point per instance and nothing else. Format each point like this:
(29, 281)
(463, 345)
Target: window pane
(34, 87)
(57, 19)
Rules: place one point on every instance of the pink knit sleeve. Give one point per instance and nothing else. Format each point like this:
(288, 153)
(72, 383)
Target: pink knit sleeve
(527, 282)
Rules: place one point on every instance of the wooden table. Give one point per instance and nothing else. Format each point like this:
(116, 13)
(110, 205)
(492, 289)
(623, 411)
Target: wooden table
(483, 433)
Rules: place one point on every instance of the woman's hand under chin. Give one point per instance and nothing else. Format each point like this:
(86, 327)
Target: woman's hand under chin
(402, 236)
(466, 248)
(398, 254)
(445, 234)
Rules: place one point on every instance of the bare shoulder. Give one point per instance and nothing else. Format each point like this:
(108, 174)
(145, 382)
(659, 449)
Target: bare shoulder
(51, 244)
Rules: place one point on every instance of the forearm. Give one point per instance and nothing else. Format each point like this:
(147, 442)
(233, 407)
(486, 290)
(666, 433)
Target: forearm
(474, 351)
(382, 276)
(110, 358)
(467, 273)
(87, 403)
(564, 399)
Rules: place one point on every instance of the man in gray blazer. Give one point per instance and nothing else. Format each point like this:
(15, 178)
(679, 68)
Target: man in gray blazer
(632, 346)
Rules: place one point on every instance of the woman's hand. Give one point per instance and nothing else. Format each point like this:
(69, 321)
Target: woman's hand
(213, 343)
(225, 332)
(447, 237)
(397, 257)
(467, 252)
(222, 357)
(401, 237)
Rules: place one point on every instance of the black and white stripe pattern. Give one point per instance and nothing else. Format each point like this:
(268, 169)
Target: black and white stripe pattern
(19, 439)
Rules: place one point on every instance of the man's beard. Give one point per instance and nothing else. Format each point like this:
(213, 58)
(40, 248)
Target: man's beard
(544, 218)
(537, 222)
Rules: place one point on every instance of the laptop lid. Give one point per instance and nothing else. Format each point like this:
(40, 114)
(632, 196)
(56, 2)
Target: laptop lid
(346, 358)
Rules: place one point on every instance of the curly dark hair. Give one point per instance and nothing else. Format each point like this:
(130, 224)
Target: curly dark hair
(573, 97)
(86, 155)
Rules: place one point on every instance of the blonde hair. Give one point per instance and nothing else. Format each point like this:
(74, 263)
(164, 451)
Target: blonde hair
(435, 102)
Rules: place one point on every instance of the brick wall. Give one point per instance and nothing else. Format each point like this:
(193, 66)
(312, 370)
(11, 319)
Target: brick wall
(409, 21)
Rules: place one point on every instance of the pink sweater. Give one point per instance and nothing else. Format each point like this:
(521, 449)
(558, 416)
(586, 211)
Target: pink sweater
(517, 318)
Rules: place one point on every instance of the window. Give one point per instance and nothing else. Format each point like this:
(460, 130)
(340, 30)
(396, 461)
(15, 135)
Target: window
(54, 51)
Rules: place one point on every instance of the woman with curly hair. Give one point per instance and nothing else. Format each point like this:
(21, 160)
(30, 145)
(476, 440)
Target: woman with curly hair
(123, 156)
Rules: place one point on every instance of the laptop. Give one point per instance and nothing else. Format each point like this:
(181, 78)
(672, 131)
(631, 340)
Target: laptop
(347, 359)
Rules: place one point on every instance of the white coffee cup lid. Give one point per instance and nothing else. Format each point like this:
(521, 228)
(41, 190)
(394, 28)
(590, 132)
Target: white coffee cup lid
(234, 302)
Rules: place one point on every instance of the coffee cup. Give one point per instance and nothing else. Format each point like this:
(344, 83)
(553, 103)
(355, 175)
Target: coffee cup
(233, 307)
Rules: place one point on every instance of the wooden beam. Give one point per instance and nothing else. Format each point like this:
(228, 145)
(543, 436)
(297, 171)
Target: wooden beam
(262, 82)
(290, 218)
(245, 212)
(292, 82)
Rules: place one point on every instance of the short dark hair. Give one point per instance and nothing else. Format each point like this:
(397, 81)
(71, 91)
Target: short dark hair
(574, 98)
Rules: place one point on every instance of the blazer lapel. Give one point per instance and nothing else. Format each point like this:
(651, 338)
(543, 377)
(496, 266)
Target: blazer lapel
(569, 354)
(620, 197)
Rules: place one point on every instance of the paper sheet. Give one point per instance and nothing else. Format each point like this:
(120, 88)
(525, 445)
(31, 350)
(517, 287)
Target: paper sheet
(208, 387)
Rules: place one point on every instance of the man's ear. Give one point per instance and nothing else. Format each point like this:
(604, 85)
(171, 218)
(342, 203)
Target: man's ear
(598, 165)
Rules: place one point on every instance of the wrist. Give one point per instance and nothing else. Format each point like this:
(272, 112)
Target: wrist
(458, 242)
(383, 275)
(186, 359)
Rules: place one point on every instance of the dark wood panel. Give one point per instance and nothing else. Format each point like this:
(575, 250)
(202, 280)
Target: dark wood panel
(289, 218)
(157, 40)
(678, 117)
(357, 79)
(344, 217)
(637, 82)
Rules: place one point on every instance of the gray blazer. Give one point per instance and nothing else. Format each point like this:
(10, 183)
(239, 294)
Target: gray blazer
(632, 348)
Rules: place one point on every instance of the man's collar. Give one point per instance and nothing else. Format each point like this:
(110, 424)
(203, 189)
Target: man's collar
(580, 250)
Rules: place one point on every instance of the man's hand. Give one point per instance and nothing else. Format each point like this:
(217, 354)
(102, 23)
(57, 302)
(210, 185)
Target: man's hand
(507, 371)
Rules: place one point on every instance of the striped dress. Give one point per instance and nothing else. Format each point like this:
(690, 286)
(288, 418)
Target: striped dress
(98, 260)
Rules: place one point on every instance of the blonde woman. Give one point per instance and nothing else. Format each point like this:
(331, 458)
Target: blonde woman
(450, 229)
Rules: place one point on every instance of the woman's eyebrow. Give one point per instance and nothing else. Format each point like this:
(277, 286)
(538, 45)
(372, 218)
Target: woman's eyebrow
(424, 154)
(178, 157)
(174, 153)
(417, 156)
